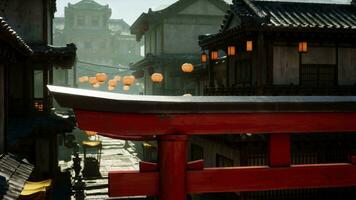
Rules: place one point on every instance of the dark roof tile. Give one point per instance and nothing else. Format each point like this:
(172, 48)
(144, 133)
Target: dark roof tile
(11, 37)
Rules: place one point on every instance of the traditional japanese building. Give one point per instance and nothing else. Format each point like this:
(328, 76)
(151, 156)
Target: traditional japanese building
(279, 48)
(283, 48)
(170, 36)
(29, 128)
(101, 40)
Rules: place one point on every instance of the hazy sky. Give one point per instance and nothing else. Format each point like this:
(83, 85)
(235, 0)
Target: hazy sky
(129, 10)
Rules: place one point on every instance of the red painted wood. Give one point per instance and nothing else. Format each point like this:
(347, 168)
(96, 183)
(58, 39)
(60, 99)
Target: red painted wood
(135, 138)
(115, 124)
(279, 150)
(196, 165)
(239, 179)
(353, 160)
(172, 161)
(133, 183)
(148, 167)
(265, 178)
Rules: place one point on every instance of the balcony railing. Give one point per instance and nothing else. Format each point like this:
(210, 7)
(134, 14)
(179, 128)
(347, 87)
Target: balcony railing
(282, 90)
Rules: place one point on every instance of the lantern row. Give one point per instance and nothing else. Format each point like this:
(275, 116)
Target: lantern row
(101, 78)
(231, 51)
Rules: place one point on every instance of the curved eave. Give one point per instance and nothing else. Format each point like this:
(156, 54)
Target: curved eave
(89, 100)
(9, 36)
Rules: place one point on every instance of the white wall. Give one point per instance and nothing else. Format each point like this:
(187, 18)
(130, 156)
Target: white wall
(285, 65)
(347, 66)
(183, 38)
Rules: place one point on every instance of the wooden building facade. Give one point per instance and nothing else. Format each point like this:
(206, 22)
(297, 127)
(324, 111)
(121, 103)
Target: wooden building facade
(283, 48)
(276, 48)
(28, 125)
(170, 40)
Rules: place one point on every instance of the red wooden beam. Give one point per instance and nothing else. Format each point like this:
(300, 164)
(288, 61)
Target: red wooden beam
(239, 179)
(133, 183)
(148, 167)
(196, 165)
(116, 124)
(265, 178)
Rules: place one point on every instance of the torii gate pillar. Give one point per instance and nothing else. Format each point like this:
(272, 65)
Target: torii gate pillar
(172, 162)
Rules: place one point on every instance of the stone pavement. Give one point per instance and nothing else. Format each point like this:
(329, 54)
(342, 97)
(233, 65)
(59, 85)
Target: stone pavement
(115, 156)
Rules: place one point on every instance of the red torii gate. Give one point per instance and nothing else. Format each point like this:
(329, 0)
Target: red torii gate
(171, 120)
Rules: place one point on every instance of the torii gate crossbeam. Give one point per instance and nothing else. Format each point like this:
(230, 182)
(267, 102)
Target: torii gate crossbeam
(172, 119)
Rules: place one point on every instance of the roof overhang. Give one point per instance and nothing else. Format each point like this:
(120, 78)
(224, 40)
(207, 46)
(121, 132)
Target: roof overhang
(63, 57)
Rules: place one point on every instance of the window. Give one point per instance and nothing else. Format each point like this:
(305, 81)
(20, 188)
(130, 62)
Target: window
(197, 152)
(38, 88)
(38, 84)
(318, 75)
(222, 161)
(95, 21)
(81, 21)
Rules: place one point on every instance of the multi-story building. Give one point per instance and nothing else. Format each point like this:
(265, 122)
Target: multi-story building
(103, 43)
(273, 48)
(170, 40)
(27, 125)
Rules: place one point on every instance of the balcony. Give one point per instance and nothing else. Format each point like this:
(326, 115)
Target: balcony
(282, 90)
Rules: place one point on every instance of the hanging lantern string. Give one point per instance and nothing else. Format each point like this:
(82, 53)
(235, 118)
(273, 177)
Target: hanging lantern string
(107, 66)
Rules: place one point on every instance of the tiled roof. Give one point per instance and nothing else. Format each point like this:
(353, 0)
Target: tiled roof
(88, 4)
(60, 56)
(308, 15)
(279, 15)
(139, 26)
(296, 14)
(14, 174)
(8, 35)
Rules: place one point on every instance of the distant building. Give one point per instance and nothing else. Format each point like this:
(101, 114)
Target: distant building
(100, 40)
(171, 39)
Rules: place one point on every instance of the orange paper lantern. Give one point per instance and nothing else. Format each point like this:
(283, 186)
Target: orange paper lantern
(157, 77)
(101, 77)
(112, 83)
(128, 80)
(187, 67)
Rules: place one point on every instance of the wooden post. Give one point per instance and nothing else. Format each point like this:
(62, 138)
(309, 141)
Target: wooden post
(279, 150)
(211, 71)
(172, 152)
(261, 64)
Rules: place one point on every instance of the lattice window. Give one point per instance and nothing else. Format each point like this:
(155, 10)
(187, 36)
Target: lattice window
(318, 75)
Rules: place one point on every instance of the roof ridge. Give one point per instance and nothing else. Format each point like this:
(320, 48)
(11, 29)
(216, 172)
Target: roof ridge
(253, 8)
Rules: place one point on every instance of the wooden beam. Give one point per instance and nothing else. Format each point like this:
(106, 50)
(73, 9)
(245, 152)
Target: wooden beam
(243, 179)
(237, 179)
(133, 183)
(116, 124)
